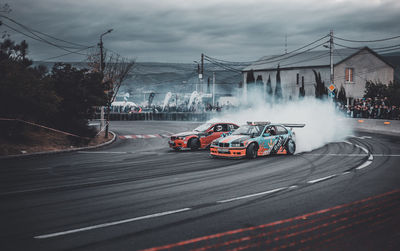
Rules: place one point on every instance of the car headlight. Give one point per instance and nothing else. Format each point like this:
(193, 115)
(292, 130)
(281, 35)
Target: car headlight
(214, 143)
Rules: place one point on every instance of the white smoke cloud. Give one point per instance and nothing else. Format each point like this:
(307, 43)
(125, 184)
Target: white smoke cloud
(324, 123)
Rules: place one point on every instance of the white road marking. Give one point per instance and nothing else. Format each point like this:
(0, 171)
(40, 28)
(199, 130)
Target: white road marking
(363, 148)
(252, 195)
(336, 154)
(386, 155)
(366, 163)
(321, 179)
(362, 137)
(344, 173)
(347, 142)
(45, 236)
(293, 187)
(103, 152)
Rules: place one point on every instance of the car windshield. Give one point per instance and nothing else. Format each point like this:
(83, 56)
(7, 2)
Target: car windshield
(248, 130)
(203, 127)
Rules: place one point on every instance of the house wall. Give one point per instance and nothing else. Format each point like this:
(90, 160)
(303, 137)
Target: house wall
(366, 66)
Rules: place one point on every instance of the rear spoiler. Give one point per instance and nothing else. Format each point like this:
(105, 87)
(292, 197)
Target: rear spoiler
(294, 125)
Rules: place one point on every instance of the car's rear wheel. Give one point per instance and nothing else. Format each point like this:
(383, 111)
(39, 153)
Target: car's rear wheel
(251, 151)
(194, 144)
(290, 147)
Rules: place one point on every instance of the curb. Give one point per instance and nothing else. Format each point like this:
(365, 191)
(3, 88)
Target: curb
(60, 151)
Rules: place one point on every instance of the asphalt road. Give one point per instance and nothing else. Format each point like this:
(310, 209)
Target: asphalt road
(138, 194)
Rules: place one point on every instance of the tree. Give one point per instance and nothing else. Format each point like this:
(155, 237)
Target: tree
(278, 87)
(379, 90)
(373, 90)
(250, 78)
(80, 90)
(342, 95)
(259, 82)
(321, 91)
(116, 71)
(26, 92)
(302, 91)
(269, 87)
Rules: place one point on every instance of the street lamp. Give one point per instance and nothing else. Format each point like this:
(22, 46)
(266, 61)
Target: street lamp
(102, 77)
(101, 50)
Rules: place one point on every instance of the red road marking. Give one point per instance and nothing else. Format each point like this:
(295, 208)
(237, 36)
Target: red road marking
(248, 238)
(231, 232)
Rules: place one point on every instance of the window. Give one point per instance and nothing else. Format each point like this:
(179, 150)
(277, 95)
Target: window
(221, 128)
(349, 72)
(232, 127)
(281, 130)
(297, 79)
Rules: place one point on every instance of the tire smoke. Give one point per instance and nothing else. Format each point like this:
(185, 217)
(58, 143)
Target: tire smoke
(324, 124)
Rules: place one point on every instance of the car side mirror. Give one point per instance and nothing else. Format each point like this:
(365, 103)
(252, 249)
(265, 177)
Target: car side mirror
(266, 135)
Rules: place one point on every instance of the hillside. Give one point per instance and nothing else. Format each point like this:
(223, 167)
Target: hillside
(161, 78)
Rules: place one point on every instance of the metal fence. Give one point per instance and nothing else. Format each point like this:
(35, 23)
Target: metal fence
(180, 116)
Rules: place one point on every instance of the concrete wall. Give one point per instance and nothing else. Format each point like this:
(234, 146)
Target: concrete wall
(366, 67)
(389, 127)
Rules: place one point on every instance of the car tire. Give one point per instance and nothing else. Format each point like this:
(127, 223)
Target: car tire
(194, 144)
(251, 151)
(290, 147)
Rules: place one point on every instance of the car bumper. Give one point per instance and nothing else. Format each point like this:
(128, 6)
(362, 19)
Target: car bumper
(177, 144)
(228, 152)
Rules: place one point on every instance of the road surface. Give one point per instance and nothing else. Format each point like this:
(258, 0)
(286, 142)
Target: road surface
(138, 194)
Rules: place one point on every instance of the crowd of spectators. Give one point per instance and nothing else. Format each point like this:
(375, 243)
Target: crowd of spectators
(371, 108)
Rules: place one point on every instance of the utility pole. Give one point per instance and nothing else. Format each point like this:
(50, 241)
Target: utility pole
(201, 72)
(213, 90)
(198, 74)
(102, 66)
(331, 54)
(286, 43)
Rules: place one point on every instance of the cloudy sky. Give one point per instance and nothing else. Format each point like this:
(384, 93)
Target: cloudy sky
(180, 30)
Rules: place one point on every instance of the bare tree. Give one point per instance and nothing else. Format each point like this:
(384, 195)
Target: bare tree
(115, 70)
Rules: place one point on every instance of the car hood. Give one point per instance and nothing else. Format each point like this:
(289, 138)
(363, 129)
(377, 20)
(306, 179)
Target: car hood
(185, 134)
(233, 138)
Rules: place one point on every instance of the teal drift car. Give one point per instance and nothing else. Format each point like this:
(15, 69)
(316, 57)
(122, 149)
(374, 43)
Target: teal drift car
(257, 139)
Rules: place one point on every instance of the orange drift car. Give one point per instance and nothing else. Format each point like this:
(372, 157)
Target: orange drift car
(202, 136)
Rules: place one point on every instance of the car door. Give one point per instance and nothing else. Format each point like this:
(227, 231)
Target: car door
(212, 133)
(266, 142)
(280, 138)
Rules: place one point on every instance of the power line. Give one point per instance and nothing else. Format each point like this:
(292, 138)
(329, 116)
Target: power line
(272, 57)
(32, 31)
(66, 54)
(367, 41)
(42, 40)
(378, 49)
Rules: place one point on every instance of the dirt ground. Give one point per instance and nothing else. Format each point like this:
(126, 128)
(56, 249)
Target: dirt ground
(41, 140)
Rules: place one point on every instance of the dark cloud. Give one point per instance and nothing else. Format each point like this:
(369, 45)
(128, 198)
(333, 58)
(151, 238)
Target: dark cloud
(179, 30)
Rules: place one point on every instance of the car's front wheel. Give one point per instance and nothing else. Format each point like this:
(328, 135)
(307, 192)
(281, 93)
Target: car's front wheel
(251, 151)
(290, 147)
